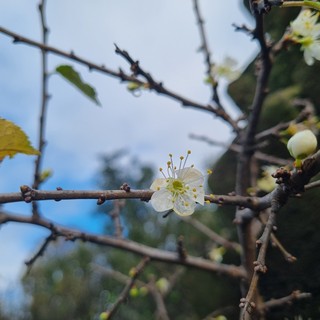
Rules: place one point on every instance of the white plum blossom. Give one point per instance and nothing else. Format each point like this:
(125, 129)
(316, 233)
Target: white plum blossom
(227, 70)
(306, 31)
(179, 190)
(301, 145)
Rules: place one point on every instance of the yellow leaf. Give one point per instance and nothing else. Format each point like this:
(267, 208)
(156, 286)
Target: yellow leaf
(13, 140)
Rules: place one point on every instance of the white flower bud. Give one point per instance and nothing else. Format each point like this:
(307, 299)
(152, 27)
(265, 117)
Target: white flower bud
(302, 144)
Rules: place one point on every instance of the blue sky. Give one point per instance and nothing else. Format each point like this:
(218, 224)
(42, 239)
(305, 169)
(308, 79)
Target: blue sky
(163, 36)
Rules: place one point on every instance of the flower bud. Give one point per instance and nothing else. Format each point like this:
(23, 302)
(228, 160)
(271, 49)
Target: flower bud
(302, 144)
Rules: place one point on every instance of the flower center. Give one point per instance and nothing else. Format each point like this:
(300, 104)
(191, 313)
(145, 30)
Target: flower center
(177, 185)
(306, 41)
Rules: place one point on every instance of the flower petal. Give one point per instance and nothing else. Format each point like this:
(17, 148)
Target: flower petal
(302, 144)
(161, 200)
(159, 184)
(190, 176)
(184, 206)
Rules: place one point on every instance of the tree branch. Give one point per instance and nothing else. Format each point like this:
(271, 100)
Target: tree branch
(41, 251)
(213, 235)
(124, 294)
(127, 245)
(151, 84)
(159, 88)
(44, 105)
(207, 55)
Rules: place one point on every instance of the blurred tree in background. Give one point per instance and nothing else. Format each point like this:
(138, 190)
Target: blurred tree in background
(95, 271)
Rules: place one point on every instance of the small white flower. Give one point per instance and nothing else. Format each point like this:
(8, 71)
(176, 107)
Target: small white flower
(179, 190)
(227, 69)
(306, 31)
(301, 145)
(306, 24)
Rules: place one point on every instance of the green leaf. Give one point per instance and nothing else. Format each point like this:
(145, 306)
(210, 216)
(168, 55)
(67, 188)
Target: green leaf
(73, 76)
(13, 140)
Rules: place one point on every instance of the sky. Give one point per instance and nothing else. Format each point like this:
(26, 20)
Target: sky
(164, 37)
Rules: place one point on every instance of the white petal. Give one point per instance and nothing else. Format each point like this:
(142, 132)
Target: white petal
(159, 184)
(200, 196)
(315, 49)
(308, 57)
(184, 206)
(162, 200)
(302, 144)
(191, 176)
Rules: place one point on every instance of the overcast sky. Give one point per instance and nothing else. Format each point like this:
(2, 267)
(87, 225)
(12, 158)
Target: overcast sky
(164, 37)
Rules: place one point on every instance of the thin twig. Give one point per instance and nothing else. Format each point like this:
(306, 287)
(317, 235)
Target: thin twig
(248, 304)
(161, 313)
(294, 296)
(312, 185)
(237, 148)
(41, 251)
(115, 274)
(44, 105)
(287, 255)
(207, 55)
(276, 242)
(307, 112)
(159, 88)
(152, 85)
(124, 294)
(115, 215)
(151, 286)
(213, 235)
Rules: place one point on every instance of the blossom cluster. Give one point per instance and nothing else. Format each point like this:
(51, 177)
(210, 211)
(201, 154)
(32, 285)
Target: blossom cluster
(306, 31)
